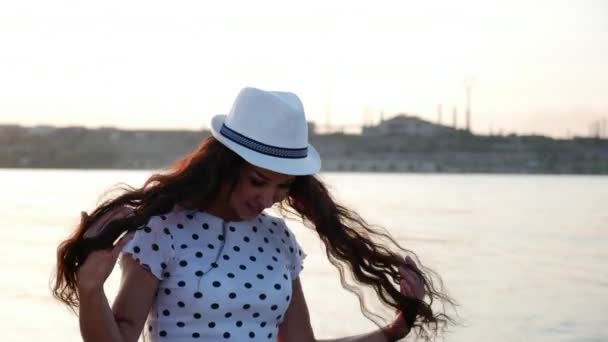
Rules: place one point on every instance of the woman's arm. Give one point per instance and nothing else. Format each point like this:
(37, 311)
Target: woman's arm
(125, 321)
(296, 326)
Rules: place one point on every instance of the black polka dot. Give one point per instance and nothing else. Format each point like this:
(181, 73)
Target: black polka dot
(197, 315)
(274, 223)
(262, 296)
(226, 257)
(230, 275)
(211, 246)
(266, 240)
(220, 237)
(260, 276)
(279, 317)
(246, 239)
(271, 231)
(181, 283)
(199, 254)
(215, 306)
(136, 249)
(148, 230)
(199, 273)
(166, 312)
(205, 226)
(285, 276)
(255, 315)
(291, 250)
(277, 286)
(273, 308)
(198, 295)
(226, 335)
(263, 324)
(278, 250)
(286, 233)
(196, 335)
(211, 325)
(239, 324)
(232, 295)
(232, 229)
(275, 259)
(243, 267)
(190, 217)
(246, 307)
(217, 284)
(255, 229)
(181, 324)
(183, 246)
(283, 241)
(252, 258)
(236, 248)
(270, 268)
(183, 263)
(166, 230)
(181, 304)
(269, 336)
(214, 265)
(163, 217)
(287, 298)
(167, 291)
(163, 265)
(180, 226)
(194, 236)
(248, 285)
(162, 333)
(228, 314)
(260, 249)
(251, 334)
(166, 274)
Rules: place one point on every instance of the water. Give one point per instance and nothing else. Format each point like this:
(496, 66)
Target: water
(525, 256)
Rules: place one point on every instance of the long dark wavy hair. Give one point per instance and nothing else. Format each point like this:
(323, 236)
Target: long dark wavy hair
(365, 256)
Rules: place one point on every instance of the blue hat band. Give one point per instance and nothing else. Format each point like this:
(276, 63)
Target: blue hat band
(269, 150)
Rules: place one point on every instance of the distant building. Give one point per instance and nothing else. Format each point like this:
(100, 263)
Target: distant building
(404, 124)
(312, 128)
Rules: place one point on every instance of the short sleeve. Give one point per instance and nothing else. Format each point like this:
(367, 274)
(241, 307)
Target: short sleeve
(152, 247)
(295, 252)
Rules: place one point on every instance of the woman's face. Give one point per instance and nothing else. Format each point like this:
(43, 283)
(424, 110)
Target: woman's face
(258, 189)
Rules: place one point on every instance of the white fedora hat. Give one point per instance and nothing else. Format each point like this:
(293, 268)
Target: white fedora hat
(269, 130)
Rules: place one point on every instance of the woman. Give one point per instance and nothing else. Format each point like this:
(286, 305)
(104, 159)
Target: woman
(205, 262)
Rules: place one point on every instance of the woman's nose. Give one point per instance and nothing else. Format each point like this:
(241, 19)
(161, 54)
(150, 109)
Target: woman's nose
(268, 198)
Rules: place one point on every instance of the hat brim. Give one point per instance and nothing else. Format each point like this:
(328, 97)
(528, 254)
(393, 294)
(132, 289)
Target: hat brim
(295, 167)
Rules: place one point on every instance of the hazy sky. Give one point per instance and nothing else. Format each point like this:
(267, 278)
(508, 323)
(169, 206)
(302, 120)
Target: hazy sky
(538, 66)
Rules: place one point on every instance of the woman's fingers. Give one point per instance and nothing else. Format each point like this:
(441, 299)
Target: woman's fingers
(121, 244)
(99, 225)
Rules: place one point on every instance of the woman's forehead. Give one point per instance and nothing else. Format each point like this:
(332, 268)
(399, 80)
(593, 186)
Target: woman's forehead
(269, 174)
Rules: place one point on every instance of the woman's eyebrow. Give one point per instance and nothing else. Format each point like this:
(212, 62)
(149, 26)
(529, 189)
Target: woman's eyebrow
(261, 176)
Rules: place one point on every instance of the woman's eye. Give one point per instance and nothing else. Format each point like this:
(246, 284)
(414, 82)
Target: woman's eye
(285, 186)
(256, 182)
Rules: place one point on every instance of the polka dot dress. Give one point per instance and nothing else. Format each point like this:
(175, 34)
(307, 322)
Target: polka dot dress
(218, 280)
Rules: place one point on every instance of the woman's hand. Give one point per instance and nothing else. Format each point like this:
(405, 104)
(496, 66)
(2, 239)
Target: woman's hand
(97, 267)
(99, 264)
(411, 285)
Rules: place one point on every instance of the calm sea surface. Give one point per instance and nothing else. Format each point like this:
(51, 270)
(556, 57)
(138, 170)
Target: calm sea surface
(525, 256)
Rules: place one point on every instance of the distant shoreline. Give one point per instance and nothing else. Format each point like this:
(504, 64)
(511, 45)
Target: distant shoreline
(440, 151)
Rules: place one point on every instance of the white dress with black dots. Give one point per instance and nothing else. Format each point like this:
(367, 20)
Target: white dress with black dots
(218, 280)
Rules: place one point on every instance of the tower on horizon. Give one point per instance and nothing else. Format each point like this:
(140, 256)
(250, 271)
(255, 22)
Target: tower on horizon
(468, 84)
(439, 109)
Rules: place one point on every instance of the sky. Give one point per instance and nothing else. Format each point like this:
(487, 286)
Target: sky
(534, 66)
